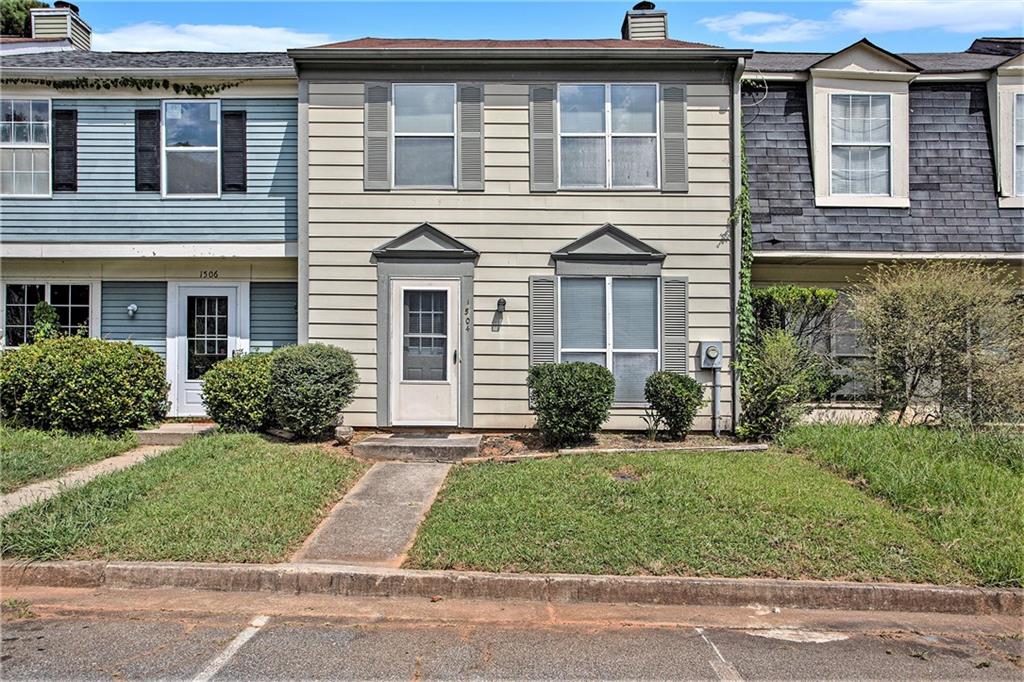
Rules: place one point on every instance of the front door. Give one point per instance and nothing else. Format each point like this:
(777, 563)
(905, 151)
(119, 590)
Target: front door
(425, 352)
(207, 334)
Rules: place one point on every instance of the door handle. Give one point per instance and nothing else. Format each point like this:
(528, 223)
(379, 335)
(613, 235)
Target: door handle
(455, 356)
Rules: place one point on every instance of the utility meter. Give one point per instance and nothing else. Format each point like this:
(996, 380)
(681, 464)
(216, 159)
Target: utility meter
(710, 354)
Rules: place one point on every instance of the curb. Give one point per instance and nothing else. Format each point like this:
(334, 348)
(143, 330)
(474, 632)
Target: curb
(359, 581)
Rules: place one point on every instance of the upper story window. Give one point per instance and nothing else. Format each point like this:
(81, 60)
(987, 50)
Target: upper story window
(608, 136)
(424, 135)
(613, 322)
(860, 143)
(191, 148)
(24, 147)
(1018, 145)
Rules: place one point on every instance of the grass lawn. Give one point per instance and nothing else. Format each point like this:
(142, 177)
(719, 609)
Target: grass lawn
(965, 491)
(705, 514)
(28, 455)
(219, 498)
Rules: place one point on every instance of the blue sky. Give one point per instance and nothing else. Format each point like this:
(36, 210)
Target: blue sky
(898, 25)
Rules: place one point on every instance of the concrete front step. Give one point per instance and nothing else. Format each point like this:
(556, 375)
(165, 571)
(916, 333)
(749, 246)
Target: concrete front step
(173, 433)
(450, 447)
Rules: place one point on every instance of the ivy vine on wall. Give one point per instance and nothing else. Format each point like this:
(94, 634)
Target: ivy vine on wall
(125, 82)
(745, 306)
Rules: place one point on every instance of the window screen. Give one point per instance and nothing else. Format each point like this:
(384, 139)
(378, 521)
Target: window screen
(424, 135)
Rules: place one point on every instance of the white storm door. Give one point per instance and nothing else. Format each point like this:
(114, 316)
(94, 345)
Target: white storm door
(425, 353)
(207, 334)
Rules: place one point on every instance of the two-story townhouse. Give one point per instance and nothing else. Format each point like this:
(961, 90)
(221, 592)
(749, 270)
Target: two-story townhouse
(152, 197)
(471, 207)
(863, 157)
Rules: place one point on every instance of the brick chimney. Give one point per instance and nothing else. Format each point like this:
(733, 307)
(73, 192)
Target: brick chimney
(62, 21)
(644, 22)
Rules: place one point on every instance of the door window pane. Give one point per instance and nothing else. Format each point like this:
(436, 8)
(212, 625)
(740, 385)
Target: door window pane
(634, 108)
(583, 162)
(424, 109)
(634, 313)
(206, 333)
(581, 108)
(191, 124)
(634, 162)
(192, 173)
(582, 312)
(424, 161)
(425, 335)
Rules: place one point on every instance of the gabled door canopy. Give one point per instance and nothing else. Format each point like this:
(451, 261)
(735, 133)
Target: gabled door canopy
(425, 242)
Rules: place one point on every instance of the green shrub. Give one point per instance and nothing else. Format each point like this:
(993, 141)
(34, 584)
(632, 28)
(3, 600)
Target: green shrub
(236, 392)
(571, 399)
(78, 384)
(45, 322)
(310, 385)
(674, 399)
(779, 377)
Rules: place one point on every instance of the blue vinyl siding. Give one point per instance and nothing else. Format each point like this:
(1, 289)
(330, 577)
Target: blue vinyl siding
(273, 315)
(148, 327)
(106, 207)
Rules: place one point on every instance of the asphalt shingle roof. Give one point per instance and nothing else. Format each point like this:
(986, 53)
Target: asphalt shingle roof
(424, 43)
(929, 62)
(77, 60)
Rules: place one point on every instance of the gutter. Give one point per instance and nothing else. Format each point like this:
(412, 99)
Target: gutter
(518, 54)
(737, 227)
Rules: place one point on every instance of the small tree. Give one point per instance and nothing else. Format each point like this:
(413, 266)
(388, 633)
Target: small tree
(15, 17)
(45, 322)
(946, 341)
(805, 312)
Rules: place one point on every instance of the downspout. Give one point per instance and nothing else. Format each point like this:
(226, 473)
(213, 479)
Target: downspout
(737, 228)
(303, 211)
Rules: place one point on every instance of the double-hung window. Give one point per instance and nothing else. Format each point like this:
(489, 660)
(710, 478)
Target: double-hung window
(1018, 145)
(861, 154)
(608, 136)
(71, 301)
(424, 131)
(191, 148)
(613, 322)
(24, 147)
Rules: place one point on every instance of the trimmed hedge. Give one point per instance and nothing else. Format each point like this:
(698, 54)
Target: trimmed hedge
(310, 385)
(79, 385)
(236, 392)
(675, 399)
(571, 399)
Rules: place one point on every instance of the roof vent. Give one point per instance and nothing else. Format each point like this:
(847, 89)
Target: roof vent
(644, 22)
(61, 22)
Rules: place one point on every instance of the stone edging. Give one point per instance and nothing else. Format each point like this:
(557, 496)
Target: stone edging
(387, 582)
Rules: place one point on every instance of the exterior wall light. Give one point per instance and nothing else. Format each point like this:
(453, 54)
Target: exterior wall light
(132, 309)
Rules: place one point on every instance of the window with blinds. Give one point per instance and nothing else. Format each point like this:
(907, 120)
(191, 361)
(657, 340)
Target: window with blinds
(613, 322)
(861, 155)
(1018, 145)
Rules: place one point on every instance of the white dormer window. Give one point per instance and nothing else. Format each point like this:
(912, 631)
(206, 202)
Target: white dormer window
(860, 144)
(1018, 146)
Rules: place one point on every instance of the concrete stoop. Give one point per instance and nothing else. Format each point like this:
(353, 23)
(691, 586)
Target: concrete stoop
(450, 447)
(173, 433)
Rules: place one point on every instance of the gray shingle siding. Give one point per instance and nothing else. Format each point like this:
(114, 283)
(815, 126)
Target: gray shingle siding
(953, 201)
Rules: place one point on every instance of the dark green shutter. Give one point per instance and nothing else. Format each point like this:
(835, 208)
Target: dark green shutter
(377, 137)
(65, 150)
(543, 138)
(674, 175)
(147, 150)
(232, 151)
(471, 136)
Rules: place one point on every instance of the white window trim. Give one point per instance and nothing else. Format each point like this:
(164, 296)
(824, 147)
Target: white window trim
(394, 134)
(889, 144)
(609, 350)
(34, 145)
(95, 302)
(164, 150)
(608, 135)
(1018, 107)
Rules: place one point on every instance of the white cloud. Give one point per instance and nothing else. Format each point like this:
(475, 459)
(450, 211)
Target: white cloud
(153, 37)
(874, 16)
(957, 16)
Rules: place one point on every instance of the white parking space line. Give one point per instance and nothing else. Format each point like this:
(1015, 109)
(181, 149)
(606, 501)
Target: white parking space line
(214, 666)
(722, 667)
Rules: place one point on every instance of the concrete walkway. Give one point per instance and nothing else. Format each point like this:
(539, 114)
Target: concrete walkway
(44, 490)
(376, 522)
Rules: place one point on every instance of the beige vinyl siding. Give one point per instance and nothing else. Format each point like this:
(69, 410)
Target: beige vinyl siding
(514, 231)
